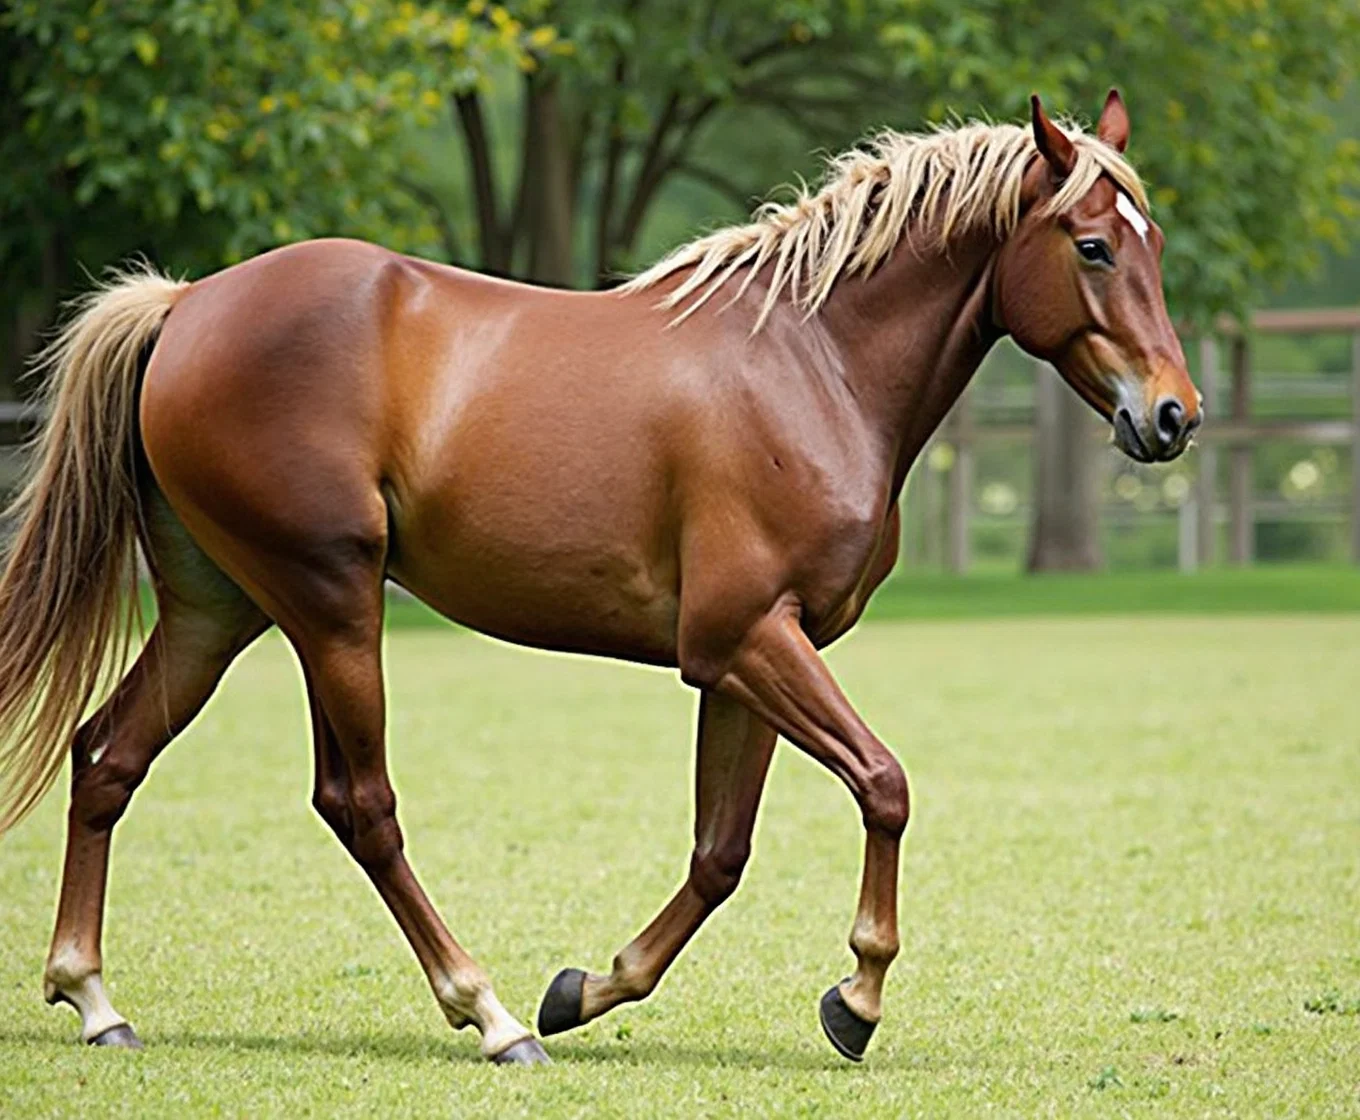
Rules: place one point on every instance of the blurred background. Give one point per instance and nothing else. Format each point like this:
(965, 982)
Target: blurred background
(568, 143)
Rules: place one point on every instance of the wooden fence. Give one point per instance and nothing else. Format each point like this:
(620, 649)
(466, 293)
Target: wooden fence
(1229, 429)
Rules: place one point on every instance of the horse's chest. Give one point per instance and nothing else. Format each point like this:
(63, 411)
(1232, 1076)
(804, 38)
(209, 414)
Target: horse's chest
(837, 595)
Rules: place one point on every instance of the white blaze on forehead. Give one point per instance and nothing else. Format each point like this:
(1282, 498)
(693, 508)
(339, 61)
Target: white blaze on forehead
(1124, 204)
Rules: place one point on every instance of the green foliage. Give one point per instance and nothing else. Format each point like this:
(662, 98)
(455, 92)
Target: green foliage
(202, 131)
(210, 129)
(1229, 103)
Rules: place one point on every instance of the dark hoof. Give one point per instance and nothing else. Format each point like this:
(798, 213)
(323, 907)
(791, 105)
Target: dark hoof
(848, 1033)
(122, 1035)
(561, 1007)
(525, 1052)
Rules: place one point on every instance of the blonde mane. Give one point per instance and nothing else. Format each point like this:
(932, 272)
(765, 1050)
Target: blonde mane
(933, 187)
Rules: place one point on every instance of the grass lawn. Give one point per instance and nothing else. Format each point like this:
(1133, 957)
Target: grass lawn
(1130, 887)
(1266, 589)
(914, 594)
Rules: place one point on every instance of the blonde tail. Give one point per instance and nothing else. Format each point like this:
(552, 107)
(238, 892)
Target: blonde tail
(68, 595)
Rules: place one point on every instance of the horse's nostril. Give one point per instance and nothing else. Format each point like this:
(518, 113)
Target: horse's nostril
(1170, 421)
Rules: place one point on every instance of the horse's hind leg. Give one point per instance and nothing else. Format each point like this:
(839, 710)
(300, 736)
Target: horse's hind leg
(335, 622)
(732, 760)
(205, 621)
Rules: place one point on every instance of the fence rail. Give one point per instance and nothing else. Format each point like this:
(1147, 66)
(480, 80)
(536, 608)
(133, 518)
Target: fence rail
(1231, 429)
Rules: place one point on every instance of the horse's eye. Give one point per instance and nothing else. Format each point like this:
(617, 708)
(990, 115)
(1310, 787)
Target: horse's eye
(1095, 250)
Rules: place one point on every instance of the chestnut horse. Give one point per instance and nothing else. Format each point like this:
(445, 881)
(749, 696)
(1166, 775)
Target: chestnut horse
(700, 470)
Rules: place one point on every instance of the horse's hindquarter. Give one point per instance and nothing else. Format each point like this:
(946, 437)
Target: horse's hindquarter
(263, 409)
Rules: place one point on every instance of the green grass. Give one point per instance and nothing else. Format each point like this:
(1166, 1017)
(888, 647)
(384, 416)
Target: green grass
(1266, 589)
(1129, 888)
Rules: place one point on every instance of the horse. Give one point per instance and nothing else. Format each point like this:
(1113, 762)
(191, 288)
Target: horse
(699, 469)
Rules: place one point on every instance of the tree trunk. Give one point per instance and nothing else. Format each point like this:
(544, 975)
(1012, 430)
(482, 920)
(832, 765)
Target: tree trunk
(551, 192)
(1064, 530)
(494, 251)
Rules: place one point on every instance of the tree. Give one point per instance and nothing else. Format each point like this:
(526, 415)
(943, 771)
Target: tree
(1064, 535)
(201, 131)
(1229, 102)
(604, 128)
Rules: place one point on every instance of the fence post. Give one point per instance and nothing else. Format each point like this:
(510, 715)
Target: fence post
(932, 509)
(961, 485)
(909, 503)
(1206, 481)
(1239, 478)
(1187, 534)
(1355, 447)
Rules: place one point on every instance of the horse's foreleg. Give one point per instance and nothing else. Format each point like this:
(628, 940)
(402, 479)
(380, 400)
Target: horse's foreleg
(780, 676)
(171, 680)
(355, 797)
(732, 759)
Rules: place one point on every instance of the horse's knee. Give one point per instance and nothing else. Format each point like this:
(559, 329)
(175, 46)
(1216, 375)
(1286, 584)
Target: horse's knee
(885, 798)
(715, 869)
(376, 837)
(103, 779)
(332, 806)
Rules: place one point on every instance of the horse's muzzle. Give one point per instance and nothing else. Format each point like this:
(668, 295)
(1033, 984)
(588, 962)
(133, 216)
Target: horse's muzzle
(1162, 435)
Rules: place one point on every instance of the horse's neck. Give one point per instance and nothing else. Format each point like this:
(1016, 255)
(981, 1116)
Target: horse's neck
(913, 334)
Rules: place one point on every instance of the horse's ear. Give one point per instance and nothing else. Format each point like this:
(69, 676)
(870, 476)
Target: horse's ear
(1113, 128)
(1052, 142)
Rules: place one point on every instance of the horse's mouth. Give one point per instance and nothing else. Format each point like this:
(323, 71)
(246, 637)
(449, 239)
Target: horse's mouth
(1128, 440)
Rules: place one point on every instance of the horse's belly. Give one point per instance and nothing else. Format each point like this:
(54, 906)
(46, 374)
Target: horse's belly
(564, 571)
(577, 610)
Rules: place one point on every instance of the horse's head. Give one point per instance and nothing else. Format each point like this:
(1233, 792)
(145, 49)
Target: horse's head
(1080, 285)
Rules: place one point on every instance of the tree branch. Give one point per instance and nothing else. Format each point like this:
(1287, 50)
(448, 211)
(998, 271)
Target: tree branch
(766, 49)
(764, 95)
(717, 181)
(610, 174)
(469, 108)
(799, 119)
(658, 163)
(518, 219)
(662, 155)
(648, 172)
(583, 116)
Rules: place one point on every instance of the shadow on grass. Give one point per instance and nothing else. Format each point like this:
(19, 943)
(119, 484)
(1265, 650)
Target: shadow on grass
(421, 1048)
(679, 1054)
(407, 1046)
